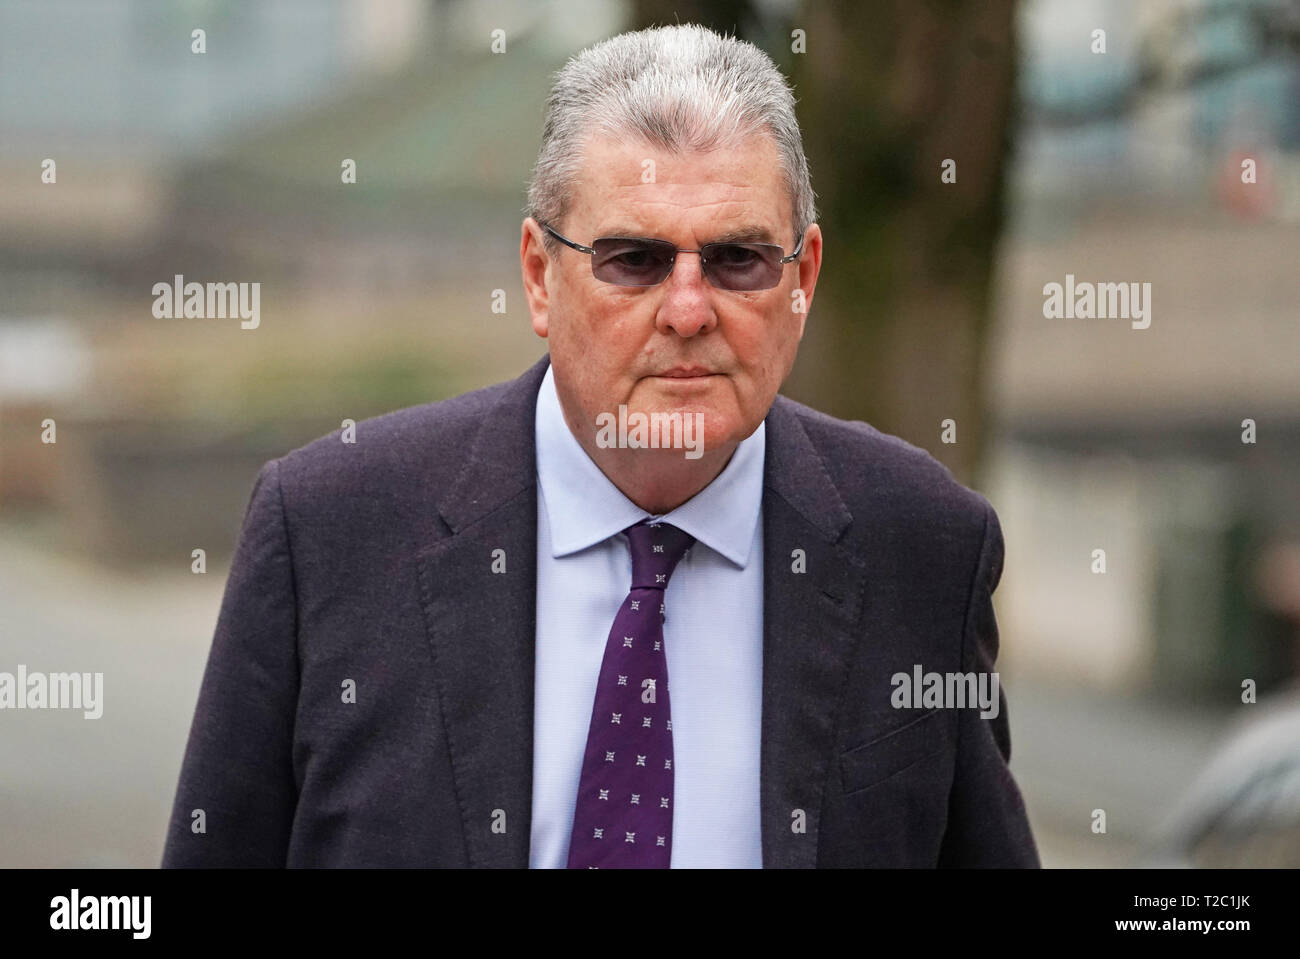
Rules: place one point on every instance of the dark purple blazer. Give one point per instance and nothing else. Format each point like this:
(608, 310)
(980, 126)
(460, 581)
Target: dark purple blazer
(372, 563)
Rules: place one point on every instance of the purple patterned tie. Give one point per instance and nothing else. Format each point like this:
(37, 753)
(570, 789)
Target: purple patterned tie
(624, 814)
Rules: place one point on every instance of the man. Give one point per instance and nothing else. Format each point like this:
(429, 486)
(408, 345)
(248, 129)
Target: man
(498, 631)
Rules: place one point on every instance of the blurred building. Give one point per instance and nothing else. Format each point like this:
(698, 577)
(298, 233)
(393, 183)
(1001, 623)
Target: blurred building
(228, 165)
(1128, 169)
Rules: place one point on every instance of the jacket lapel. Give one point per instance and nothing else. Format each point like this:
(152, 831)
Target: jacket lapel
(809, 621)
(481, 626)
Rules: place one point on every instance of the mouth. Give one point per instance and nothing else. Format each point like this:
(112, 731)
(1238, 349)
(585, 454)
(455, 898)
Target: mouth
(685, 373)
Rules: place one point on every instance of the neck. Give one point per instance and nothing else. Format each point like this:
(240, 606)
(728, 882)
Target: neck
(657, 480)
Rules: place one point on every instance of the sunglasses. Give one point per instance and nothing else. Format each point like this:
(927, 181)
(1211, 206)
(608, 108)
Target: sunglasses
(640, 261)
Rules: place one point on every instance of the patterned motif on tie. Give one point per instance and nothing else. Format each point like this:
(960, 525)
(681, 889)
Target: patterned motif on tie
(624, 813)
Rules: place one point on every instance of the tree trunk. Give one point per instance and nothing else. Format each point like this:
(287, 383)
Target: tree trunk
(897, 332)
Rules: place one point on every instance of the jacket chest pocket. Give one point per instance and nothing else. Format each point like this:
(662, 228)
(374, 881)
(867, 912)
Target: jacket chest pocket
(875, 761)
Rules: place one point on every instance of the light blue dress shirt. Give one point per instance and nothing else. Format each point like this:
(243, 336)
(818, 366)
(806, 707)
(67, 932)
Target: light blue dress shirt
(713, 638)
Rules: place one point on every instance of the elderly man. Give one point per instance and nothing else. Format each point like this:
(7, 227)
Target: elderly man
(497, 632)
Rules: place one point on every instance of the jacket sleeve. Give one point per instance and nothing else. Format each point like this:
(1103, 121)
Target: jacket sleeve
(235, 801)
(987, 822)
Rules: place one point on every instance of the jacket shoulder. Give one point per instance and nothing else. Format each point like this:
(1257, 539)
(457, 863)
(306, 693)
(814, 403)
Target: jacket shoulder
(416, 448)
(876, 471)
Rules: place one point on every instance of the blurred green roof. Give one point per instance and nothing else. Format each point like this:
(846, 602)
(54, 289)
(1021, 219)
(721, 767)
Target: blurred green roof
(449, 131)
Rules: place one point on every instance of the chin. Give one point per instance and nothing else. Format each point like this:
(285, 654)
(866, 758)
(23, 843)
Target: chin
(720, 428)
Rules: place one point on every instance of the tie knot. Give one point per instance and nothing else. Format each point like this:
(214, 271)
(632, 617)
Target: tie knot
(656, 550)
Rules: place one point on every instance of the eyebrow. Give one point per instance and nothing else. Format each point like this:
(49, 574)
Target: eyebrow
(744, 234)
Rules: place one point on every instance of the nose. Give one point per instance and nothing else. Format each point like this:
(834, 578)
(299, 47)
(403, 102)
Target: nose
(687, 307)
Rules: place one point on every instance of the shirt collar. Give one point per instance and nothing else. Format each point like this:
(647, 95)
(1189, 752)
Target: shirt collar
(585, 508)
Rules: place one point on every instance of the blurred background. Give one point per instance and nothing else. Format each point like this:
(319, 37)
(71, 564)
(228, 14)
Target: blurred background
(1113, 157)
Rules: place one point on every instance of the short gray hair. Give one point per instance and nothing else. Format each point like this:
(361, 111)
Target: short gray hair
(681, 88)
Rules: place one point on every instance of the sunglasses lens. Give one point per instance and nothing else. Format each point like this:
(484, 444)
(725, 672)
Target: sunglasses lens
(742, 266)
(631, 262)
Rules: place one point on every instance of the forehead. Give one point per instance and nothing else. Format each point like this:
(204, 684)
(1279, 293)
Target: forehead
(629, 185)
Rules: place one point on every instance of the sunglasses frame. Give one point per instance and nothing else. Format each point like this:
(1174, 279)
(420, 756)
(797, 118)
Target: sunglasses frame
(590, 251)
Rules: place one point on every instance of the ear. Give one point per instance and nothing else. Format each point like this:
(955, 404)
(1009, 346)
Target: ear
(810, 265)
(536, 264)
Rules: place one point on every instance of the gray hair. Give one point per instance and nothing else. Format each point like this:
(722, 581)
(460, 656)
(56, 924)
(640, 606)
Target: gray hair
(681, 88)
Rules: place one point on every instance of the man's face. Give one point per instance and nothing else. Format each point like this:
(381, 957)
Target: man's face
(611, 345)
